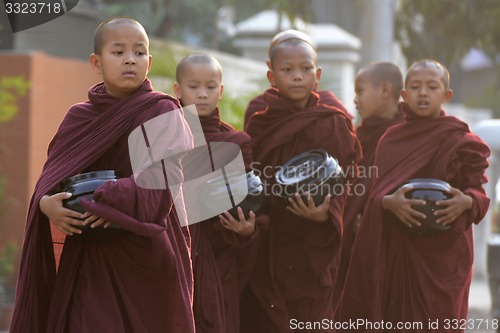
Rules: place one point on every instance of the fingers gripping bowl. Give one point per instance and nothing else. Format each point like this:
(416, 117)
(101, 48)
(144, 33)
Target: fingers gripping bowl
(82, 186)
(431, 191)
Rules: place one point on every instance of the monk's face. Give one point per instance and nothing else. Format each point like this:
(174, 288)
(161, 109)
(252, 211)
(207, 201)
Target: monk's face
(425, 91)
(294, 72)
(201, 85)
(124, 61)
(369, 98)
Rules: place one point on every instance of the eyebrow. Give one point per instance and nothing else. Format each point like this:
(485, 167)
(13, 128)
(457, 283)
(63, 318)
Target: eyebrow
(123, 44)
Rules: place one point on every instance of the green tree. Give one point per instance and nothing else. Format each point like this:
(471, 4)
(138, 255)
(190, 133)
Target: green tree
(11, 87)
(447, 29)
(194, 21)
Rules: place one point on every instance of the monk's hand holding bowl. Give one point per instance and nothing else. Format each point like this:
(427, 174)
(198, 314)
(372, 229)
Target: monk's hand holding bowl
(402, 208)
(95, 220)
(64, 219)
(244, 227)
(309, 211)
(454, 206)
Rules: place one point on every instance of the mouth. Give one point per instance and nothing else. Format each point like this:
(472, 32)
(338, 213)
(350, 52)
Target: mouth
(129, 73)
(422, 104)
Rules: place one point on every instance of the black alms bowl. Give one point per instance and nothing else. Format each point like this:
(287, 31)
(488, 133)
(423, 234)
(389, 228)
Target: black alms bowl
(313, 171)
(82, 186)
(431, 190)
(234, 185)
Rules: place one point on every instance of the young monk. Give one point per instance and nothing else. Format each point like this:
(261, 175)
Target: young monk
(295, 274)
(398, 278)
(135, 278)
(326, 97)
(378, 87)
(216, 241)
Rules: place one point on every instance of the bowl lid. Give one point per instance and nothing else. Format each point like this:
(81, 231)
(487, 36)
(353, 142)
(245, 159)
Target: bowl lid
(101, 174)
(238, 183)
(307, 168)
(427, 184)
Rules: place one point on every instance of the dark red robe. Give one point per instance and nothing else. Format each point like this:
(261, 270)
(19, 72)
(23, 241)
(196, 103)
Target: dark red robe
(221, 258)
(369, 133)
(325, 97)
(133, 279)
(395, 277)
(295, 273)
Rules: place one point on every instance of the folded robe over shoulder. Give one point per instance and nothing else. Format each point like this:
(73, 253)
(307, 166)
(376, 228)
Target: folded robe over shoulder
(130, 284)
(398, 278)
(259, 103)
(297, 265)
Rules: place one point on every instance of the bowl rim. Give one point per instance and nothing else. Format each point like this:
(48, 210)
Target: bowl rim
(100, 174)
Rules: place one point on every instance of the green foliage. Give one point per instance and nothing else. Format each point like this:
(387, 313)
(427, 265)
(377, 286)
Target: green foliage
(7, 259)
(165, 61)
(447, 29)
(194, 21)
(232, 110)
(11, 87)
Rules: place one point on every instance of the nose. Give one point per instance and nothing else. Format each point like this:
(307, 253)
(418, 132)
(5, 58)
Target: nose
(296, 76)
(202, 93)
(422, 91)
(130, 60)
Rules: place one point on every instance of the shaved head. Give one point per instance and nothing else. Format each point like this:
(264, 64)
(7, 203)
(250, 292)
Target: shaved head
(378, 72)
(286, 35)
(196, 58)
(430, 63)
(99, 36)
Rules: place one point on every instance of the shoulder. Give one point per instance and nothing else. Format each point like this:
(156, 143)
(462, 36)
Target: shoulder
(167, 101)
(240, 135)
(329, 98)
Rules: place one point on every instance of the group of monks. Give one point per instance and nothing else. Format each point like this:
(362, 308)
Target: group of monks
(346, 264)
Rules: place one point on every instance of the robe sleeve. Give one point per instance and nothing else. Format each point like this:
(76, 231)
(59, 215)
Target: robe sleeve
(475, 155)
(472, 161)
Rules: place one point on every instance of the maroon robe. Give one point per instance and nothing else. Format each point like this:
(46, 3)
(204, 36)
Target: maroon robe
(295, 273)
(325, 97)
(133, 279)
(395, 277)
(369, 133)
(221, 258)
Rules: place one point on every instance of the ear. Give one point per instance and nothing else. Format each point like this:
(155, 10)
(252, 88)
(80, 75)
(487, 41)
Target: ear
(403, 95)
(386, 89)
(150, 62)
(221, 90)
(448, 94)
(95, 63)
(318, 73)
(270, 77)
(177, 90)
